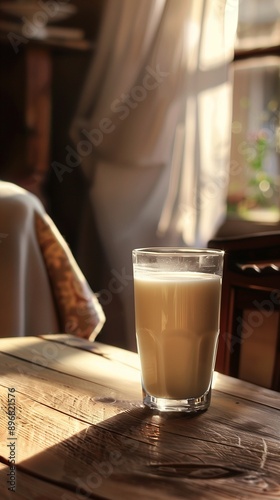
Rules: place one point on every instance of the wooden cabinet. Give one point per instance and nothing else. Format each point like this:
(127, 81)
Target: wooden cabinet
(29, 85)
(25, 113)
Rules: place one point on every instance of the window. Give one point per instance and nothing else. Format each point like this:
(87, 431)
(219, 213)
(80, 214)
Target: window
(254, 184)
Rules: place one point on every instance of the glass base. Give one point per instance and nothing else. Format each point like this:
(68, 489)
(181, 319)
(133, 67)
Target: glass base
(190, 405)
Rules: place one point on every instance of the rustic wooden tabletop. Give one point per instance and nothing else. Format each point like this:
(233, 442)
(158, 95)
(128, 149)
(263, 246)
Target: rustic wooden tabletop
(72, 426)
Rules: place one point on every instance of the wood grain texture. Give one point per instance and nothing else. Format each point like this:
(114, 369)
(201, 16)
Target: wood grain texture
(31, 488)
(89, 435)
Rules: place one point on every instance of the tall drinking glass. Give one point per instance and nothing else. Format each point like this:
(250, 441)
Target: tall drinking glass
(177, 294)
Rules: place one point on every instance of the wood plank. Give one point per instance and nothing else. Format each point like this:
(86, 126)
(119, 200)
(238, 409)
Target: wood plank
(92, 438)
(93, 402)
(110, 352)
(145, 443)
(38, 352)
(75, 362)
(29, 487)
(88, 401)
(222, 383)
(111, 464)
(246, 390)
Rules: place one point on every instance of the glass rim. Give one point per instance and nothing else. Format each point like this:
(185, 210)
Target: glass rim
(176, 251)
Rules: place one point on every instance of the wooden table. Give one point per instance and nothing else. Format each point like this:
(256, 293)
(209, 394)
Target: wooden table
(73, 422)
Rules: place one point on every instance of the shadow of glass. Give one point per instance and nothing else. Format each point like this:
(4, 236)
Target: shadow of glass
(138, 451)
(134, 449)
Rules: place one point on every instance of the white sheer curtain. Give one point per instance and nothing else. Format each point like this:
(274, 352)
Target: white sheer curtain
(153, 126)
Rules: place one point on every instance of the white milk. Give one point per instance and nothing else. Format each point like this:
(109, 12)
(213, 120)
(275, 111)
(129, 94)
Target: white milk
(177, 327)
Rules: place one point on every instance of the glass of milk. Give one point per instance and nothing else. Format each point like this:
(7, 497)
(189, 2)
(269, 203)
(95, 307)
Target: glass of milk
(177, 294)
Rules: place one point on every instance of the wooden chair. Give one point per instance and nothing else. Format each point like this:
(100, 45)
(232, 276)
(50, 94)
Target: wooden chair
(249, 343)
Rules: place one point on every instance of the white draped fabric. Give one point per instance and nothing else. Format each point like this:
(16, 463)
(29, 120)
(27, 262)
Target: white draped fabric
(152, 129)
(42, 289)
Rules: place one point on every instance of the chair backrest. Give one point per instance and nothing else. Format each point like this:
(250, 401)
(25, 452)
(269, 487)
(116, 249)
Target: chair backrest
(42, 289)
(249, 342)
